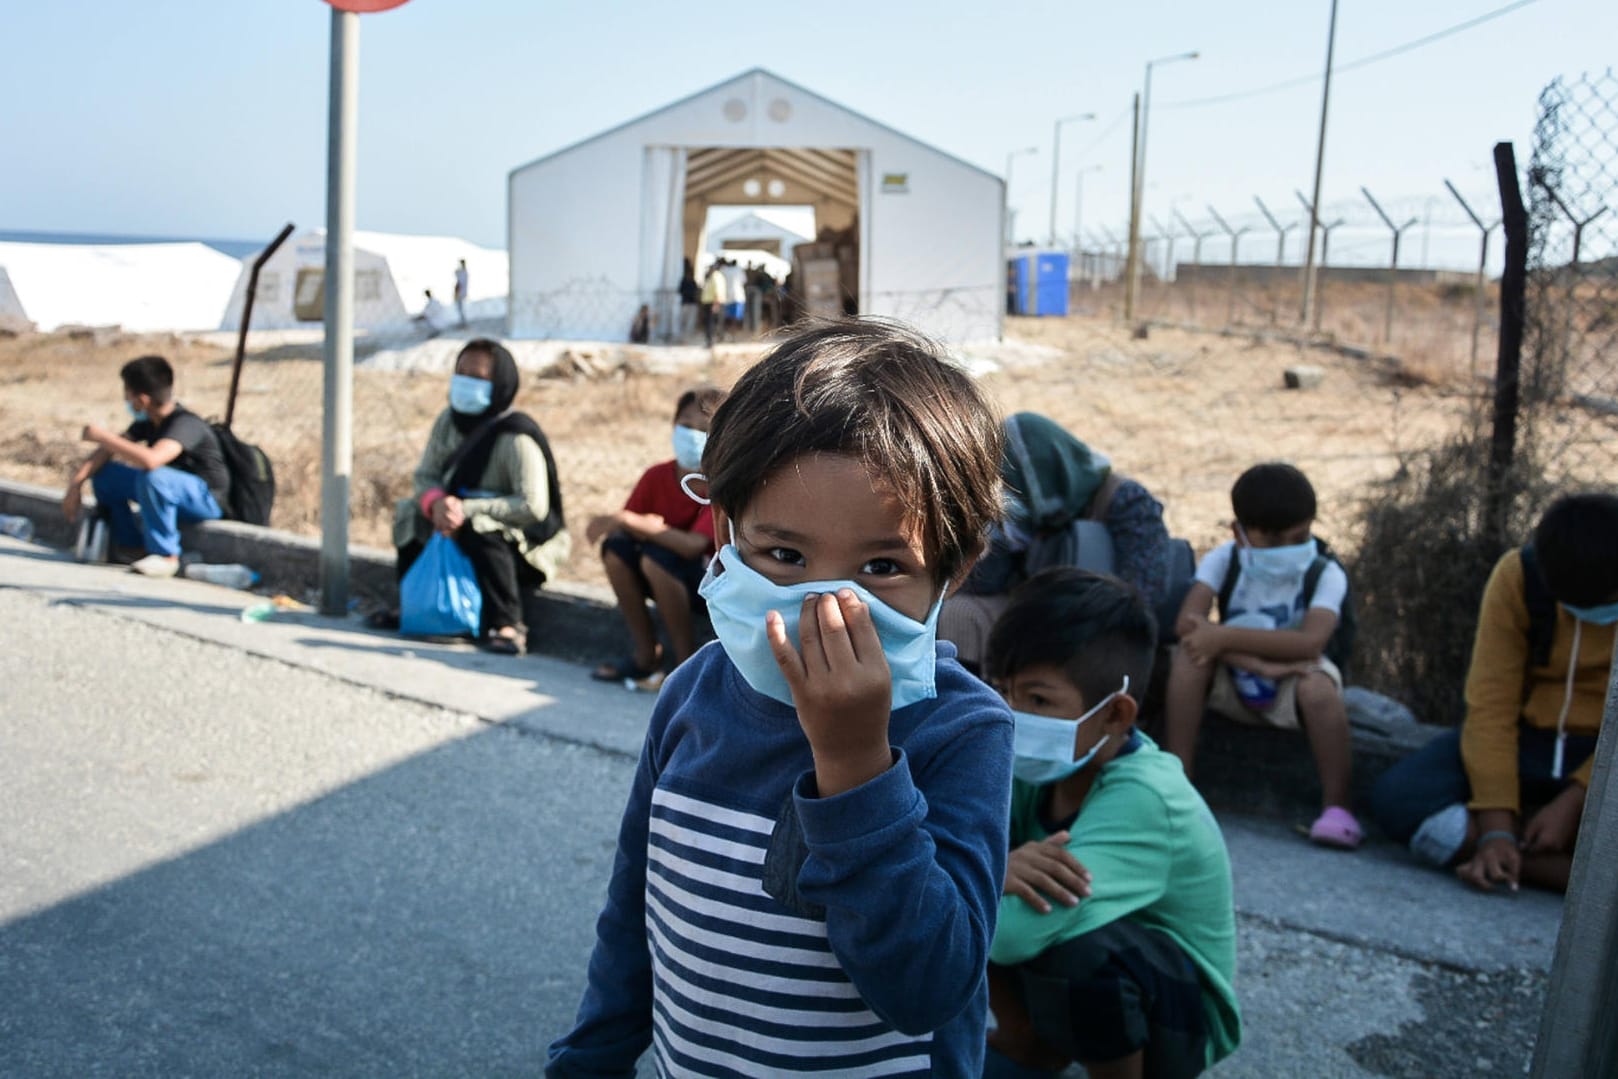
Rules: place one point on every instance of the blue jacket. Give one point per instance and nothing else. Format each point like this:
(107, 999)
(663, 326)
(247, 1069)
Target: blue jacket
(752, 927)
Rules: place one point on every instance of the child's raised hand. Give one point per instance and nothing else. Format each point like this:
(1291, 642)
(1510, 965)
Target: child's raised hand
(1047, 868)
(840, 687)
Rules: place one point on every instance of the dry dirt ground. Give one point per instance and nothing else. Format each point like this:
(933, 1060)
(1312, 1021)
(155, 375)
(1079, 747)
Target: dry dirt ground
(1184, 412)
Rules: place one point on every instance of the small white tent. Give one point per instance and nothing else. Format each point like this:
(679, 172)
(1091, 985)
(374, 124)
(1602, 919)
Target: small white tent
(761, 230)
(141, 287)
(603, 226)
(391, 273)
(12, 315)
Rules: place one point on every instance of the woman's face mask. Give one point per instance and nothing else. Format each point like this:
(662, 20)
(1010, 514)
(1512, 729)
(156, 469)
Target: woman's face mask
(1043, 745)
(688, 446)
(470, 396)
(738, 598)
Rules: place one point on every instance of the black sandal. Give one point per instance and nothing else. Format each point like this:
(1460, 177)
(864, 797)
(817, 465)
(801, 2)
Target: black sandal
(501, 645)
(622, 669)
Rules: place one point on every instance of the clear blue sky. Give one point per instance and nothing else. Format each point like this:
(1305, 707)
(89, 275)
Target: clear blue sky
(180, 117)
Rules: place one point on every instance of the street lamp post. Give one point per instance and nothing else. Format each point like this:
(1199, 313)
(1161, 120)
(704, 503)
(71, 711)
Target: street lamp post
(1011, 215)
(1133, 284)
(1056, 163)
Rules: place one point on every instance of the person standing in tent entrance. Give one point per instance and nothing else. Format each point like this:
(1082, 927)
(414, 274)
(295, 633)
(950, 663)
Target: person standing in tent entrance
(487, 479)
(714, 293)
(690, 296)
(168, 462)
(461, 280)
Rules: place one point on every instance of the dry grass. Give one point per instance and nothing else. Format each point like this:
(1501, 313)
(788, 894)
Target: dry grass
(1184, 412)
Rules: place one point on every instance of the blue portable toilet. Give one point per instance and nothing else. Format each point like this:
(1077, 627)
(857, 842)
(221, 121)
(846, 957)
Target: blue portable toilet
(1038, 282)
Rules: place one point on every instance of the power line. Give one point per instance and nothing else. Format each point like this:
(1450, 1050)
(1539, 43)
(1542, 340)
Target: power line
(1108, 130)
(1303, 80)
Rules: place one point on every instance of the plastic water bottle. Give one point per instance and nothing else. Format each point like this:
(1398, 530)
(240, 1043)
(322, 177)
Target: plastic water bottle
(231, 575)
(16, 527)
(1256, 692)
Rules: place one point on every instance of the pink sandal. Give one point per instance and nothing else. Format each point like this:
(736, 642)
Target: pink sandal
(1336, 827)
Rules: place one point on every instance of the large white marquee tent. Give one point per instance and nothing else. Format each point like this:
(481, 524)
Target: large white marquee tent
(141, 287)
(599, 228)
(391, 273)
(774, 231)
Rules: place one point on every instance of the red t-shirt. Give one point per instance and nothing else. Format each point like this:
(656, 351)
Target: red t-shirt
(658, 491)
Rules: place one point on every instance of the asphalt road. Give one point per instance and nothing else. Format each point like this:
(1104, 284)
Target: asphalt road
(297, 848)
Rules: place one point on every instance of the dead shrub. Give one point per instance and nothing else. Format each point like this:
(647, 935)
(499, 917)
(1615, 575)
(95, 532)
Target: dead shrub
(1418, 575)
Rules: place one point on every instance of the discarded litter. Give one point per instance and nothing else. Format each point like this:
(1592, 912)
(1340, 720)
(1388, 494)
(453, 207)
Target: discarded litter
(231, 575)
(16, 527)
(278, 605)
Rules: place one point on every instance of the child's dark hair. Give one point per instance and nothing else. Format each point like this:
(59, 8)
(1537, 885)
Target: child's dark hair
(491, 348)
(880, 392)
(1273, 497)
(1096, 628)
(1577, 547)
(707, 397)
(150, 375)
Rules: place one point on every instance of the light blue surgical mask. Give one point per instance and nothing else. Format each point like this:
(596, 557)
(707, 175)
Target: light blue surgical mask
(1276, 565)
(138, 413)
(470, 396)
(1604, 615)
(739, 597)
(1043, 745)
(688, 445)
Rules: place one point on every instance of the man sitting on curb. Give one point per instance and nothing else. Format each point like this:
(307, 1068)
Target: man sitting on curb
(168, 462)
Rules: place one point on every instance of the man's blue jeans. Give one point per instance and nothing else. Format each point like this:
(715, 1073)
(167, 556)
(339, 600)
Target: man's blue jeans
(167, 498)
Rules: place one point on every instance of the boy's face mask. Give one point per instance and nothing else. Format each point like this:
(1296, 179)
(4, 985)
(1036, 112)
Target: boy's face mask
(688, 446)
(1043, 745)
(139, 414)
(1276, 564)
(739, 596)
(470, 396)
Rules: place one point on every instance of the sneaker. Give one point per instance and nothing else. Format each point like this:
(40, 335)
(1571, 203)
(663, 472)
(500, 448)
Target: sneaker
(155, 565)
(1439, 838)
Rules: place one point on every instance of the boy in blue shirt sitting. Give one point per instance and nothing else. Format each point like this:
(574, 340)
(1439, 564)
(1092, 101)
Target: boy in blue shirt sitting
(1116, 941)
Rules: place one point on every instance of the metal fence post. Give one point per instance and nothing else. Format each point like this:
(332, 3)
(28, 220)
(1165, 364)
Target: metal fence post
(1167, 235)
(1196, 260)
(1482, 281)
(1235, 243)
(1508, 364)
(1569, 274)
(1393, 264)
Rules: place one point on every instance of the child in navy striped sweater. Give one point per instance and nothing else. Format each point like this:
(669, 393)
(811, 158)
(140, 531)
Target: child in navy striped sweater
(809, 867)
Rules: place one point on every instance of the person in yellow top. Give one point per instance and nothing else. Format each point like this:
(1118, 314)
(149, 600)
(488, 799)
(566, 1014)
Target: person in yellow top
(1534, 698)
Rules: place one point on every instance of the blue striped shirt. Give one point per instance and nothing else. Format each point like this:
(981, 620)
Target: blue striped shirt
(753, 928)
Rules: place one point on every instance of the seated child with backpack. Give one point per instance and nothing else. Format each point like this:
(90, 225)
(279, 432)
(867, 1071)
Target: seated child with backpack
(1116, 940)
(1284, 627)
(168, 462)
(1501, 798)
(656, 548)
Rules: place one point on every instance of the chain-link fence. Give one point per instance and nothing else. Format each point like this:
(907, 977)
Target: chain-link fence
(1550, 425)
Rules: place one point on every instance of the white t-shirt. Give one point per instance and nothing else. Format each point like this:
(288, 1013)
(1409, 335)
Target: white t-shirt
(1282, 602)
(460, 282)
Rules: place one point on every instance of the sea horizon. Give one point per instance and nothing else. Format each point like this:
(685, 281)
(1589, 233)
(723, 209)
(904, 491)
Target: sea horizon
(234, 248)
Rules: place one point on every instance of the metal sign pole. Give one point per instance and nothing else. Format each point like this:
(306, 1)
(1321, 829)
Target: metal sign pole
(337, 428)
(1576, 1033)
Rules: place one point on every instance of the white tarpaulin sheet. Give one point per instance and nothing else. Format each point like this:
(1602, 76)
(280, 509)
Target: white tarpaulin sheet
(141, 287)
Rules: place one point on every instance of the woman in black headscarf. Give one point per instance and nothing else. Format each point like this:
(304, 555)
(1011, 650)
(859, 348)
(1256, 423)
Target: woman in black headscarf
(487, 479)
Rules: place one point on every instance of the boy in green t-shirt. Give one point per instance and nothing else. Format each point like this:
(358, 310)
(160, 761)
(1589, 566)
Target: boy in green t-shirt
(1116, 943)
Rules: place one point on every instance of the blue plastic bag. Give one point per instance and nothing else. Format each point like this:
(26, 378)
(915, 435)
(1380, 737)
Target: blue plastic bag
(439, 596)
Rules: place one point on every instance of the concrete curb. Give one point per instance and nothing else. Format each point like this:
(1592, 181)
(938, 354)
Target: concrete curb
(565, 619)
